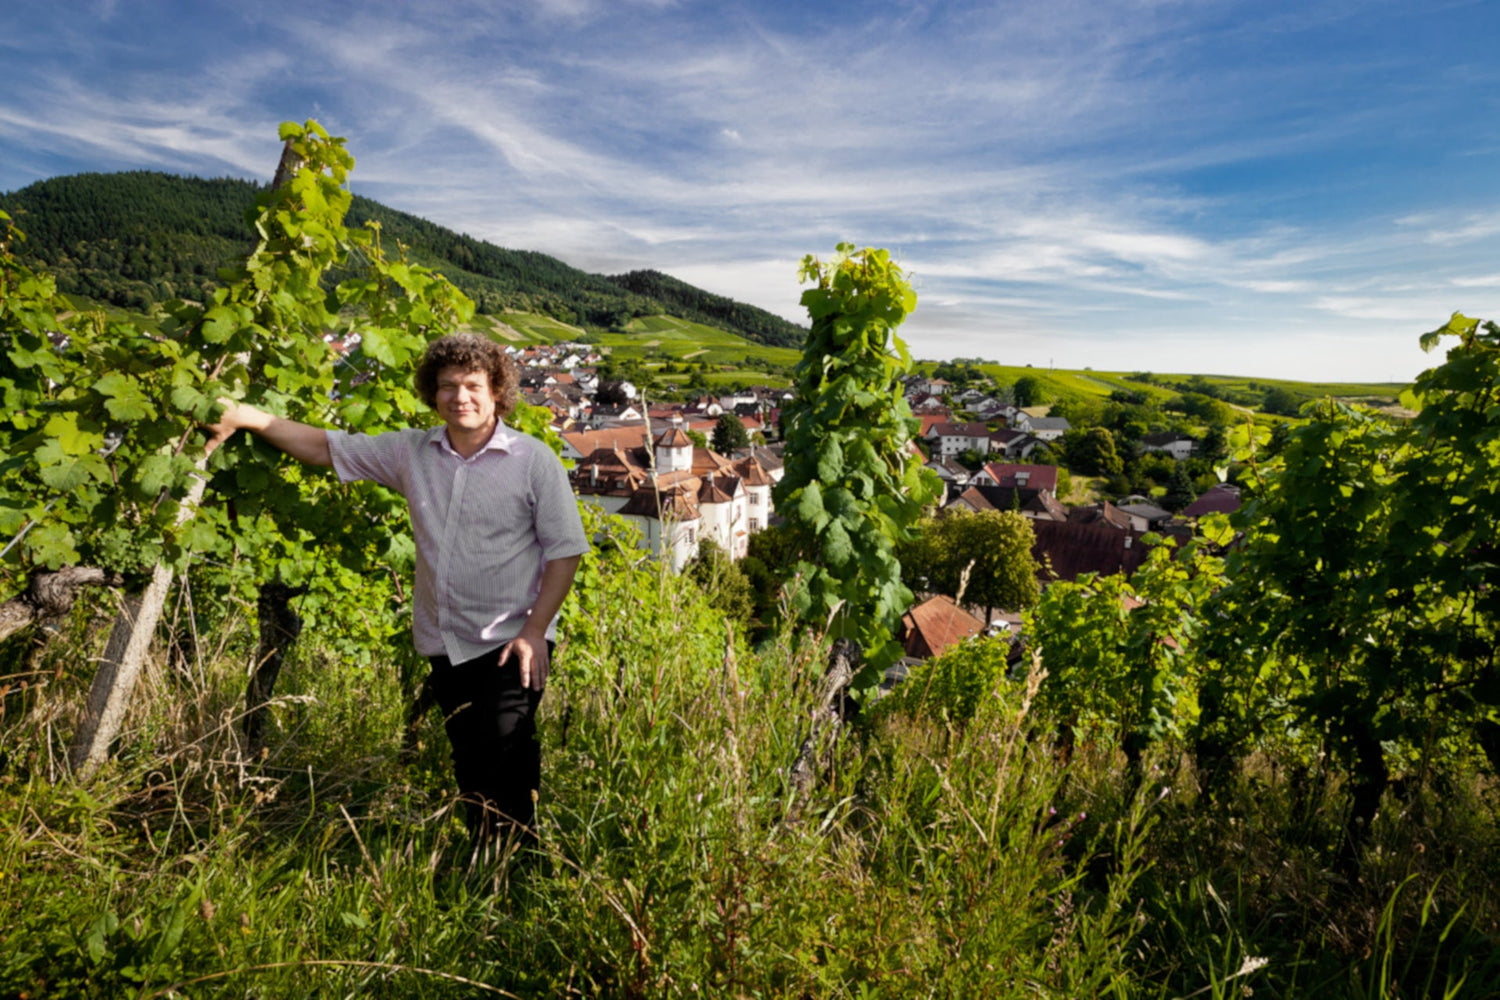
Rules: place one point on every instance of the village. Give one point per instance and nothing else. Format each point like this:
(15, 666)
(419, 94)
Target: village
(702, 470)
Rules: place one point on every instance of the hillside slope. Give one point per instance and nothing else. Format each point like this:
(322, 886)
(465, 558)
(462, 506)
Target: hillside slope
(138, 238)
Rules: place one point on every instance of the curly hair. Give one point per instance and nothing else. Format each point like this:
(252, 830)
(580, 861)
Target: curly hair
(469, 353)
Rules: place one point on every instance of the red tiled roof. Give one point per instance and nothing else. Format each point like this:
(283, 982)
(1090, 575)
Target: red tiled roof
(1019, 498)
(934, 625)
(1065, 549)
(1221, 499)
(588, 442)
(752, 472)
(718, 489)
(675, 504)
(1101, 513)
(1037, 477)
(930, 420)
(971, 429)
(674, 437)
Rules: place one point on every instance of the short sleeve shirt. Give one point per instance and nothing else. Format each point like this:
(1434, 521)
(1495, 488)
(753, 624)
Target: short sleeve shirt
(485, 526)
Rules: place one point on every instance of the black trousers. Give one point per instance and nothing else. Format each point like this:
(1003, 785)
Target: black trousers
(491, 724)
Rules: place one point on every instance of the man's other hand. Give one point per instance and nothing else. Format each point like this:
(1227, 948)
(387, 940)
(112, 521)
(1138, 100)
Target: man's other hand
(532, 656)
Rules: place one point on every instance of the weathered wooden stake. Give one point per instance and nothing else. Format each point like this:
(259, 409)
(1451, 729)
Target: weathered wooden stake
(120, 668)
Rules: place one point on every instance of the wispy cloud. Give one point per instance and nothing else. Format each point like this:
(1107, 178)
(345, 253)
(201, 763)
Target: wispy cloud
(1226, 182)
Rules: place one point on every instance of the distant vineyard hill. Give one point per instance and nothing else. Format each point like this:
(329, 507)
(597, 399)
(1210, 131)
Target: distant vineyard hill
(693, 303)
(139, 238)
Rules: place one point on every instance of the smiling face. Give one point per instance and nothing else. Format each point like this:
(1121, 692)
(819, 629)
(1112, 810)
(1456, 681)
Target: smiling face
(466, 402)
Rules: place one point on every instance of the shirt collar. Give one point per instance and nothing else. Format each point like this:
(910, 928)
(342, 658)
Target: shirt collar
(501, 440)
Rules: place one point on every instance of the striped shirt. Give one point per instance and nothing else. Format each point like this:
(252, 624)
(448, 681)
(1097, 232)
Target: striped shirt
(484, 527)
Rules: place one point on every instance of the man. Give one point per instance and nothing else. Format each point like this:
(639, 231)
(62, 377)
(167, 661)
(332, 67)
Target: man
(498, 539)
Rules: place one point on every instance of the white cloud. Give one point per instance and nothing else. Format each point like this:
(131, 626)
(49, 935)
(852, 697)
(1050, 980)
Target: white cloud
(1087, 173)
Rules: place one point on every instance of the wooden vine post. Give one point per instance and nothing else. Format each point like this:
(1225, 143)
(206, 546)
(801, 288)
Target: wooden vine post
(124, 655)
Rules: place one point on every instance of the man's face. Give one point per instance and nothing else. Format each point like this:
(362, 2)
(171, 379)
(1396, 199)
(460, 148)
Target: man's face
(465, 400)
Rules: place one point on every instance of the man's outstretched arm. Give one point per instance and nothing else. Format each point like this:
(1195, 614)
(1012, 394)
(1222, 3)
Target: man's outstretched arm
(302, 442)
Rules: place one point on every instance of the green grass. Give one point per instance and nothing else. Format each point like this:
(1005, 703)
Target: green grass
(932, 858)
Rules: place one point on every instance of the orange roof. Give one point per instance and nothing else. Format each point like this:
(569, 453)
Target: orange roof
(674, 437)
(676, 505)
(753, 473)
(588, 442)
(935, 624)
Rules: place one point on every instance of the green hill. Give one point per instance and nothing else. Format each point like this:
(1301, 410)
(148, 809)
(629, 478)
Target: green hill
(139, 238)
(1093, 387)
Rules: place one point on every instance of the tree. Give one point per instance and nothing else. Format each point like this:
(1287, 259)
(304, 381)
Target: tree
(729, 434)
(1092, 452)
(723, 584)
(852, 490)
(1281, 401)
(1214, 445)
(1028, 391)
(1180, 490)
(986, 555)
(611, 393)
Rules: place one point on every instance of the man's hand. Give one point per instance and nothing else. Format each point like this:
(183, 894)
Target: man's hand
(531, 644)
(229, 421)
(302, 442)
(532, 655)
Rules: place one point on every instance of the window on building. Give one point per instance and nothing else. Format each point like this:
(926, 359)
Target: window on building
(754, 524)
(754, 499)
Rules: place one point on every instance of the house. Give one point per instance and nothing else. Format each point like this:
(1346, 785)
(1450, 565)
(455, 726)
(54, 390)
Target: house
(1047, 428)
(955, 439)
(1179, 446)
(929, 421)
(768, 457)
(1012, 443)
(935, 625)
(579, 444)
(1033, 504)
(1066, 549)
(1220, 499)
(1010, 475)
(918, 386)
(626, 412)
(679, 494)
(989, 408)
(950, 472)
(1146, 516)
(1104, 513)
(1011, 413)
(670, 523)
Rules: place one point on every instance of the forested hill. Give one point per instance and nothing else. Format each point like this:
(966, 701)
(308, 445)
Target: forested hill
(138, 238)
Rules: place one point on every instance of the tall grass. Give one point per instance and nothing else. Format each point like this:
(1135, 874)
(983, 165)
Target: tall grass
(934, 857)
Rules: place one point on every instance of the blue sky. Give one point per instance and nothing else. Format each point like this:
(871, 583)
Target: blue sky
(1255, 188)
